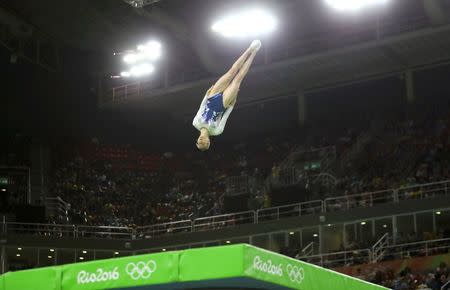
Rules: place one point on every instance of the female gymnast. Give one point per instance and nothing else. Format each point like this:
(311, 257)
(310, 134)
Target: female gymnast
(220, 99)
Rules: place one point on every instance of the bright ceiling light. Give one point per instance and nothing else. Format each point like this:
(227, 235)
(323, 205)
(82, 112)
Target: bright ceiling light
(130, 58)
(354, 5)
(150, 51)
(125, 74)
(141, 70)
(249, 23)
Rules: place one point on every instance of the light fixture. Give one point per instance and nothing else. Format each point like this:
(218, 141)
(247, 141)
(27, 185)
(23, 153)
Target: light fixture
(250, 23)
(438, 212)
(384, 226)
(328, 225)
(130, 58)
(49, 257)
(315, 235)
(84, 252)
(228, 242)
(116, 253)
(52, 250)
(17, 255)
(141, 69)
(363, 223)
(150, 51)
(164, 250)
(19, 249)
(291, 233)
(354, 5)
(81, 258)
(125, 74)
(3, 189)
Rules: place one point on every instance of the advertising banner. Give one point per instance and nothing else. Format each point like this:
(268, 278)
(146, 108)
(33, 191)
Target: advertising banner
(36, 279)
(125, 272)
(281, 270)
(213, 263)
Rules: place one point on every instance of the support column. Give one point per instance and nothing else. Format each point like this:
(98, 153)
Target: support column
(409, 83)
(3, 260)
(301, 108)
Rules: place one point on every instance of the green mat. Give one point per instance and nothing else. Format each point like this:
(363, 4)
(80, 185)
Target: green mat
(227, 267)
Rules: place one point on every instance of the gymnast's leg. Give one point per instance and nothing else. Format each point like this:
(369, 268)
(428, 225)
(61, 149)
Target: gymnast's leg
(231, 92)
(228, 77)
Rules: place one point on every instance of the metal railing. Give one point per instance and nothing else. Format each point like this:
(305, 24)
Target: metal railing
(57, 206)
(224, 221)
(359, 200)
(164, 229)
(338, 259)
(445, 285)
(236, 185)
(105, 232)
(290, 210)
(423, 248)
(378, 248)
(308, 250)
(390, 252)
(424, 191)
(431, 190)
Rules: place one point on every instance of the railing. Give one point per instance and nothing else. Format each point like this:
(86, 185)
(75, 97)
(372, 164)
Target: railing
(445, 285)
(308, 250)
(359, 200)
(378, 248)
(223, 221)
(57, 206)
(106, 232)
(431, 190)
(424, 248)
(338, 259)
(391, 252)
(164, 229)
(425, 191)
(39, 229)
(237, 185)
(290, 210)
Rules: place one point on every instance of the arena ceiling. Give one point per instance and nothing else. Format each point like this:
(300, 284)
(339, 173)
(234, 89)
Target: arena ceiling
(314, 48)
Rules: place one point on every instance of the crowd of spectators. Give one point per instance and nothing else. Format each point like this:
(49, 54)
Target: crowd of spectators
(437, 279)
(178, 186)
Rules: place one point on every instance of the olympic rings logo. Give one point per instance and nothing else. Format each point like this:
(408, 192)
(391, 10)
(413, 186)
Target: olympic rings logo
(295, 273)
(141, 270)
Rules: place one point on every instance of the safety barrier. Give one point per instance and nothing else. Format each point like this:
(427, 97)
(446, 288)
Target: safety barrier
(290, 210)
(423, 191)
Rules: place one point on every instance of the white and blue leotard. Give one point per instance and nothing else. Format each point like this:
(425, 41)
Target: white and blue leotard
(212, 115)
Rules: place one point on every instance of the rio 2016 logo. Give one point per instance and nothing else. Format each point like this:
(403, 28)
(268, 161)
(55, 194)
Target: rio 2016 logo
(267, 266)
(100, 275)
(296, 274)
(141, 270)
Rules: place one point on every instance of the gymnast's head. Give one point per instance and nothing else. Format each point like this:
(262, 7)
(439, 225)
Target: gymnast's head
(203, 141)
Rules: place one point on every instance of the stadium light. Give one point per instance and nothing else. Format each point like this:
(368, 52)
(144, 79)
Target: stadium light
(249, 23)
(354, 5)
(150, 51)
(141, 70)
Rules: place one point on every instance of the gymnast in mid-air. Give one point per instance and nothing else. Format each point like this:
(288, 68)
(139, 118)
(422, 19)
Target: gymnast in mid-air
(220, 99)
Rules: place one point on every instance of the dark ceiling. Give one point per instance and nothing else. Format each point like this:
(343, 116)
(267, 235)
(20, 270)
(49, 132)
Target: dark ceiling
(106, 26)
